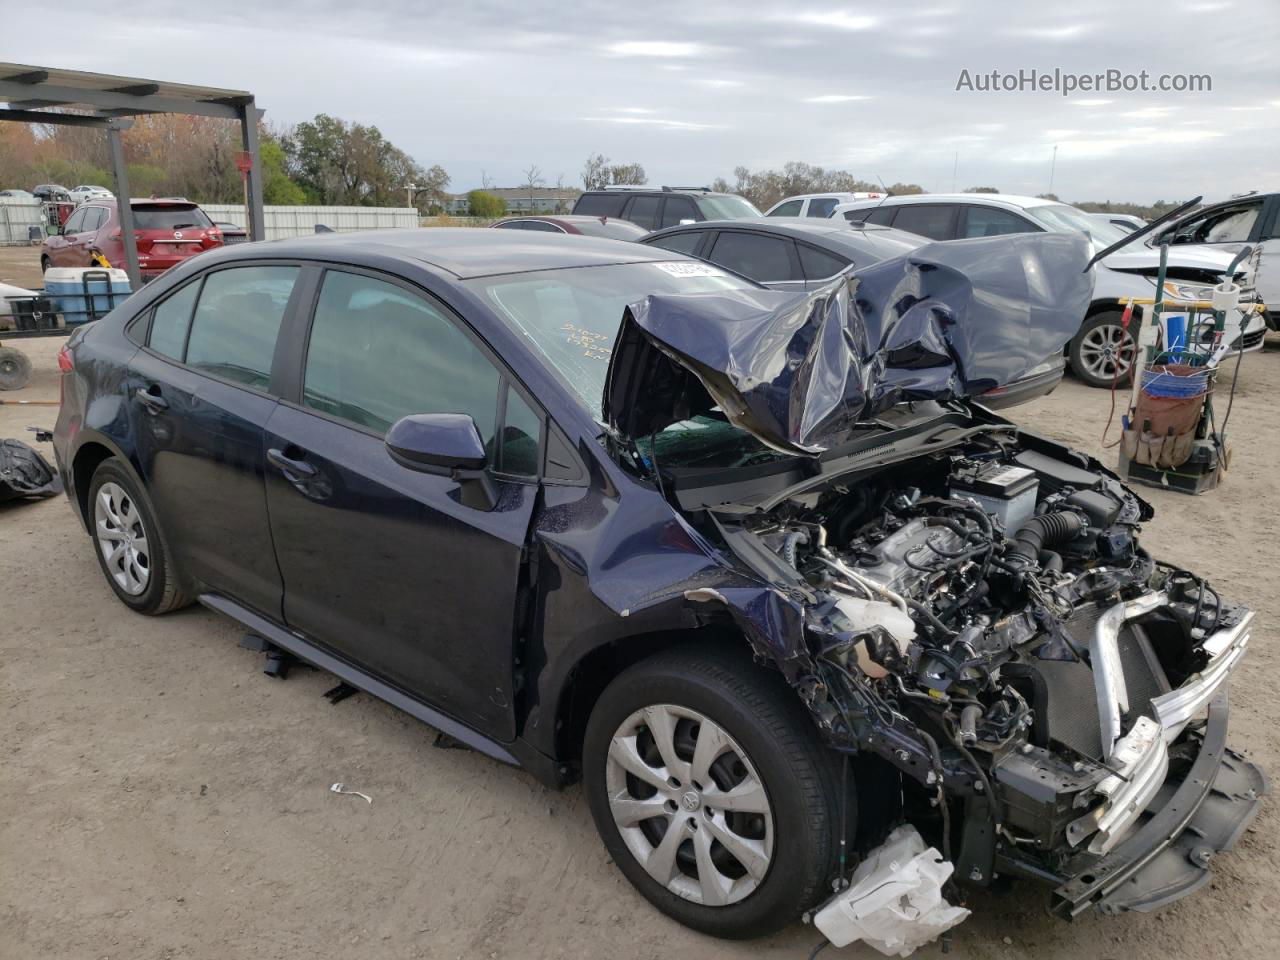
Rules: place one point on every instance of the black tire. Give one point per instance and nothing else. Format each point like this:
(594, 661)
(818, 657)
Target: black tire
(1085, 361)
(762, 714)
(164, 589)
(15, 368)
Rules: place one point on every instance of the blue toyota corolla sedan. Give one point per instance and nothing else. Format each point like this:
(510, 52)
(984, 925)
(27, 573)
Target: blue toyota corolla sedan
(803, 619)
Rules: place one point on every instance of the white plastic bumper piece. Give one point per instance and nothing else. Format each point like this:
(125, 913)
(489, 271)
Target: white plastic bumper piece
(894, 902)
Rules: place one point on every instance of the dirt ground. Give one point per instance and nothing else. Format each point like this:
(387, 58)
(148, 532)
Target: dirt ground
(161, 798)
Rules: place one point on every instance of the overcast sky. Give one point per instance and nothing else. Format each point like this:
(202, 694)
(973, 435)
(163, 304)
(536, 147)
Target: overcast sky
(693, 89)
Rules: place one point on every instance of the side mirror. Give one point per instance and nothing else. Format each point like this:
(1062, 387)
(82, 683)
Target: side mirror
(447, 445)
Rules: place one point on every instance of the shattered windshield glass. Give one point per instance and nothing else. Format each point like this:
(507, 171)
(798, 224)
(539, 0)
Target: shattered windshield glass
(572, 316)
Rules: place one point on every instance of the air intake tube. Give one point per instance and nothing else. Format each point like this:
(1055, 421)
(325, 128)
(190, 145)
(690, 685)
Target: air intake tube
(1044, 531)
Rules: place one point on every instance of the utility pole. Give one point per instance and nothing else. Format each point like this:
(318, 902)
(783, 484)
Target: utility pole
(409, 194)
(1053, 166)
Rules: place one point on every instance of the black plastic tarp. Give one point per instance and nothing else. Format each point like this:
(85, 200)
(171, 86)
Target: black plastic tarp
(948, 320)
(24, 473)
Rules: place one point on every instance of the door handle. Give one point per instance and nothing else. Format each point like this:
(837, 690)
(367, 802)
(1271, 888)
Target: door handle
(153, 402)
(293, 470)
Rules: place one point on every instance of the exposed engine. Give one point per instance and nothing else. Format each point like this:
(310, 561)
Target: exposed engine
(953, 607)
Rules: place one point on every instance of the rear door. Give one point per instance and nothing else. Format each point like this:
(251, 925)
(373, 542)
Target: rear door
(643, 210)
(1266, 260)
(384, 565)
(199, 397)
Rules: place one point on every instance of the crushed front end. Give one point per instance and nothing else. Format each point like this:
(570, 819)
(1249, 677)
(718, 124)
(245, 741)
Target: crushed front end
(984, 619)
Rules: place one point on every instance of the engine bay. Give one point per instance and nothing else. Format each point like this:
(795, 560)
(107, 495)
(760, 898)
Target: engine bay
(953, 605)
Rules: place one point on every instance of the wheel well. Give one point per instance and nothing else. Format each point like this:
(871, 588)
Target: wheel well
(87, 459)
(594, 672)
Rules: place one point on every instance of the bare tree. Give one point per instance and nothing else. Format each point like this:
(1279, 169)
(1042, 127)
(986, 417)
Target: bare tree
(532, 181)
(486, 181)
(627, 174)
(595, 172)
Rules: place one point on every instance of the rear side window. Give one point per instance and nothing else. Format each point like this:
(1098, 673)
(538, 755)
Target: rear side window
(686, 242)
(789, 209)
(763, 259)
(172, 320)
(170, 218)
(643, 211)
(600, 204)
(677, 209)
(881, 215)
(933, 220)
(993, 222)
(821, 206)
(819, 265)
(378, 353)
(233, 333)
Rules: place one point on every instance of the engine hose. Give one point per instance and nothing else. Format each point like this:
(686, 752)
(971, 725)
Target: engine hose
(789, 543)
(920, 610)
(1044, 531)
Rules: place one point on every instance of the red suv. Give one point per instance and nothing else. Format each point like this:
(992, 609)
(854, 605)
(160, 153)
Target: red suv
(167, 232)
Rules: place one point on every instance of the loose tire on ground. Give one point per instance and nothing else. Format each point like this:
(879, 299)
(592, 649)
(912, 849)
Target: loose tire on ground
(15, 368)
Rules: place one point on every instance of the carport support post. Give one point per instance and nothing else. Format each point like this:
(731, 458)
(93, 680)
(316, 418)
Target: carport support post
(123, 206)
(249, 115)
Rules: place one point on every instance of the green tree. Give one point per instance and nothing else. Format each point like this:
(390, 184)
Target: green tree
(337, 162)
(482, 203)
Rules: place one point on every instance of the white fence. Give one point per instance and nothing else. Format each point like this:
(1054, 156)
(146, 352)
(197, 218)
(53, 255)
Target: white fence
(17, 217)
(301, 221)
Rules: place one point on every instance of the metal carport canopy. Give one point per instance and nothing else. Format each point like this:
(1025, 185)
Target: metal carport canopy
(30, 94)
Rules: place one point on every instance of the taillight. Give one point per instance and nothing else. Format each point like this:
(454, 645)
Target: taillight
(66, 363)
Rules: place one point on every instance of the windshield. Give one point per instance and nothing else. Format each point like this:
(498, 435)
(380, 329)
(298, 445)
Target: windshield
(170, 218)
(728, 207)
(572, 316)
(1061, 218)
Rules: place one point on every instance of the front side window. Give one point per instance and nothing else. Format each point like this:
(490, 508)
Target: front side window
(821, 206)
(643, 211)
(789, 209)
(993, 222)
(378, 352)
(678, 210)
(233, 332)
(727, 206)
(1228, 225)
(763, 259)
(75, 222)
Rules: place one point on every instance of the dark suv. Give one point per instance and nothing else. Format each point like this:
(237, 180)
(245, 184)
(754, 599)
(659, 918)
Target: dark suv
(744, 560)
(654, 209)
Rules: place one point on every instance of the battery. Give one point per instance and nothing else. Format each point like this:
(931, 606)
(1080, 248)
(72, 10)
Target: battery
(1007, 493)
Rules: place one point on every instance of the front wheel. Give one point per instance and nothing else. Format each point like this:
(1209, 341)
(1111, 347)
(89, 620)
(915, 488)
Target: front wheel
(712, 792)
(1101, 354)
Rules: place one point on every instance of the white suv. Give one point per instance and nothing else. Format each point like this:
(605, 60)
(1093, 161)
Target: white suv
(815, 204)
(1101, 353)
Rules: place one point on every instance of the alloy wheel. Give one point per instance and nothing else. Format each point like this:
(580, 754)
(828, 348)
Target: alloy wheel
(122, 538)
(1107, 352)
(689, 804)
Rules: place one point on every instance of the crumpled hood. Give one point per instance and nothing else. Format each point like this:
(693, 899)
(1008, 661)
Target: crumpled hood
(799, 370)
(1141, 257)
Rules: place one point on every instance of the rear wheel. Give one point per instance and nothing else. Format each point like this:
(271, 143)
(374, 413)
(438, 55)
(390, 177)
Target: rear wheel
(1102, 352)
(712, 792)
(131, 548)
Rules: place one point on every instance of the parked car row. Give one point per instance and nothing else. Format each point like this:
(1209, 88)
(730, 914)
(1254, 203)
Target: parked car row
(741, 558)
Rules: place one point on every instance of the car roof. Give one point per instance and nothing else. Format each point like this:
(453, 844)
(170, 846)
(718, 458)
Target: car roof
(683, 191)
(467, 252)
(993, 199)
(822, 232)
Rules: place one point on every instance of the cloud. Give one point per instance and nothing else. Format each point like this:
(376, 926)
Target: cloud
(1064, 32)
(836, 98)
(660, 122)
(835, 19)
(1090, 103)
(656, 48)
